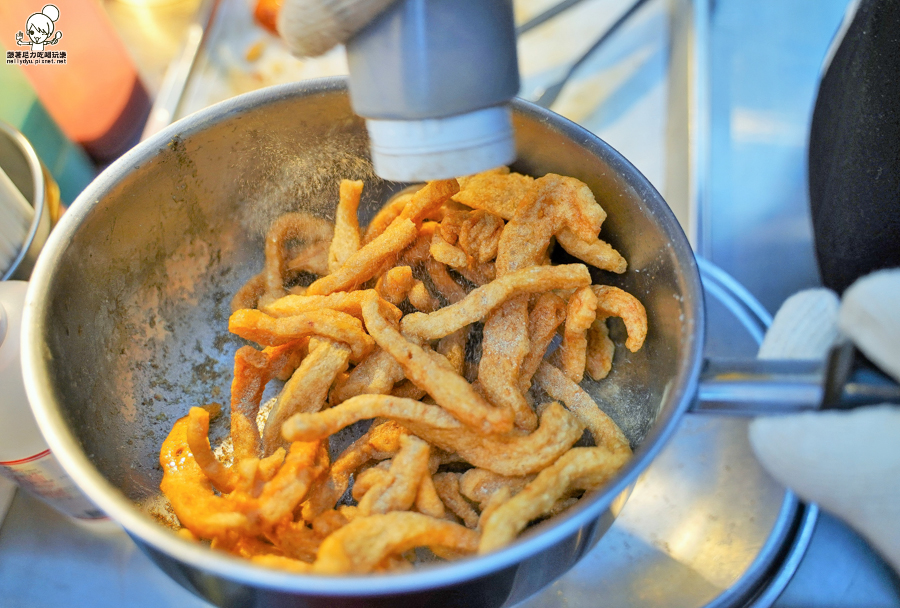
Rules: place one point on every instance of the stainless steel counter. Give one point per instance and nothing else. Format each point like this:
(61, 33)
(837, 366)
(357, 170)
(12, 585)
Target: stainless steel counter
(751, 219)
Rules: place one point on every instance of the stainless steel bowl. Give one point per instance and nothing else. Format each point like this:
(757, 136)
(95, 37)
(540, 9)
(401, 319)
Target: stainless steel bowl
(125, 325)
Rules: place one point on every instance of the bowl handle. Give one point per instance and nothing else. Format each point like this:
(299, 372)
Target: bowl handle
(757, 387)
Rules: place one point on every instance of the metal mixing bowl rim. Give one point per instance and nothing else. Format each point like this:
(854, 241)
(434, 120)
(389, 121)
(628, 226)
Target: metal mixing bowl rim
(38, 197)
(143, 528)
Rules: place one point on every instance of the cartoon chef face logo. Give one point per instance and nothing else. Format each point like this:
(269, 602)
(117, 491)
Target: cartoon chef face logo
(40, 29)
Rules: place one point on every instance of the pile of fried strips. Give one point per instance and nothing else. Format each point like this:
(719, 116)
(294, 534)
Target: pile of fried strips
(459, 457)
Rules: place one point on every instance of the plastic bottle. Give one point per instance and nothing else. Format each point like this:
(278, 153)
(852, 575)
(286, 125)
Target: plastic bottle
(20, 107)
(25, 457)
(96, 96)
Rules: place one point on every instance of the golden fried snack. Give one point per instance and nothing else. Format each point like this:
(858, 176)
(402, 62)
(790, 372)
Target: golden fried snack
(479, 485)
(595, 252)
(479, 274)
(307, 389)
(259, 327)
(290, 227)
(502, 495)
(394, 285)
(428, 502)
(366, 479)
(295, 540)
(222, 477)
(581, 312)
(512, 454)
(421, 298)
(481, 301)
(280, 562)
(504, 346)
(428, 200)
(605, 432)
(613, 302)
(190, 491)
(312, 258)
(408, 390)
(446, 286)
(447, 486)
(252, 371)
(346, 239)
(453, 347)
(577, 468)
(250, 292)
(380, 442)
(281, 495)
(365, 263)
(418, 252)
(600, 350)
(431, 372)
(375, 375)
(547, 314)
(398, 491)
(445, 253)
(349, 302)
(479, 235)
(496, 191)
(309, 427)
(362, 544)
(387, 214)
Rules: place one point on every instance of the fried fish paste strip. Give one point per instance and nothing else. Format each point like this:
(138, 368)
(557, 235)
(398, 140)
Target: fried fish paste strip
(429, 199)
(479, 235)
(600, 350)
(349, 302)
(346, 239)
(190, 491)
(448, 254)
(513, 454)
(497, 191)
(259, 327)
(503, 349)
(580, 314)
(613, 302)
(365, 263)
(365, 542)
(406, 472)
(307, 388)
(447, 486)
(222, 477)
(387, 214)
(312, 258)
(309, 427)
(433, 373)
(571, 471)
(394, 285)
(546, 316)
(252, 371)
(280, 496)
(446, 286)
(482, 300)
(380, 441)
(250, 292)
(595, 252)
(479, 485)
(605, 432)
(428, 502)
(376, 374)
(288, 227)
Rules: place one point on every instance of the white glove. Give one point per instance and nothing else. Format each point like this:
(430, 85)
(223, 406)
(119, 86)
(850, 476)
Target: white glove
(846, 462)
(313, 27)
